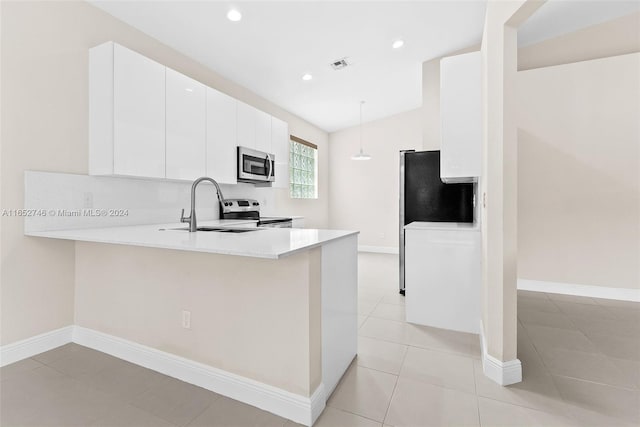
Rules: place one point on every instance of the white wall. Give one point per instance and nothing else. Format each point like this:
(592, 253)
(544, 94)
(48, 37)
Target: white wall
(364, 194)
(431, 104)
(579, 173)
(497, 187)
(44, 118)
(618, 36)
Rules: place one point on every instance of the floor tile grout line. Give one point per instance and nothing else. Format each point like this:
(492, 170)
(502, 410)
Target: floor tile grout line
(475, 383)
(202, 412)
(358, 415)
(395, 386)
(439, 350)
(597, 351)
(446, 387)
(442, 386)
(522, 406)
(217, 396)
(378, 370)
(114, 396)
(553, 375)
(594, 382)
(475, 388)
(384, 318)
(573, 404)
(535, 348)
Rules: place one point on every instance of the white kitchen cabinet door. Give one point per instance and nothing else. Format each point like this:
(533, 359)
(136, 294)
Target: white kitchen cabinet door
(186, 127)
(280, 149)
(263, 132)
(443, 278)
(254, 128)
(246, 125)
(138, 115)
(281, 175)
(280, 140)
(221, 137)
(101, 109)
(461, 117)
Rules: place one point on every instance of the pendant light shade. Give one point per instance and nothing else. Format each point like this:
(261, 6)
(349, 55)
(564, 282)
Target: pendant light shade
(361, 155)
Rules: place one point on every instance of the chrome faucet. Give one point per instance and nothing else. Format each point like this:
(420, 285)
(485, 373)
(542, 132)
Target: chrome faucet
(191, 219)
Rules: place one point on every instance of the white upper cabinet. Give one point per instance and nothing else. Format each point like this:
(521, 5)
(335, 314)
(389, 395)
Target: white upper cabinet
(101, 109)
(186, 127)
(263, 132)
(127, 113)
(148, 120)
(253, 128)
(138, 115)
(280, 140)
(280, 149)
(461, 117)
(221, 137)
(246, 125)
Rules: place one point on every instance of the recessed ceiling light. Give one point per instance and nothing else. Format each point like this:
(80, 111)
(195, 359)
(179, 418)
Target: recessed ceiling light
(397, 44)
(234, 15)
(307, 77)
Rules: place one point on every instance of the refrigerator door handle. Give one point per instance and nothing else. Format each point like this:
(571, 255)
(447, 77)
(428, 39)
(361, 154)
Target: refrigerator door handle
(402, 219)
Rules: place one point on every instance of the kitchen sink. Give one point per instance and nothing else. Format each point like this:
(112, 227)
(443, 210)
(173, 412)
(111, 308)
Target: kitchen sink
(217, 229)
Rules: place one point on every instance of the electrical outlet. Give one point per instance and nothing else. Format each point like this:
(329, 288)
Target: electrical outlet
(87, 200)
(186, 319)
(381, 235)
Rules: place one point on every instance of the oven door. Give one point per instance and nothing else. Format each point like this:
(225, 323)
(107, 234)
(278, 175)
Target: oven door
(275, 222)
(255, 166)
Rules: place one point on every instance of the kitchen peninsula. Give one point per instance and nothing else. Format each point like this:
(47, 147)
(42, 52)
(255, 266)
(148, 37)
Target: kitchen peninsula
(267, 317)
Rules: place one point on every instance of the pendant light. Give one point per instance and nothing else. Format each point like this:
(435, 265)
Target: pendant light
(361, 155)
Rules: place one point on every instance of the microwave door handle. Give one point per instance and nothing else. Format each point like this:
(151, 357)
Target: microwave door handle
(266, 164)
(270, 167)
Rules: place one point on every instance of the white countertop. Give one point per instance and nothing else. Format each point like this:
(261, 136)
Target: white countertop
(445, 226)
(262, 243)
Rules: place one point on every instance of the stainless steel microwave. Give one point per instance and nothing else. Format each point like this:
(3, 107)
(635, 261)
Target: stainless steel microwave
(255, 166)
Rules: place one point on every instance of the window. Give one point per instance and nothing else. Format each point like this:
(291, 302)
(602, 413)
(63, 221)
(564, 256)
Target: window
(303, 169)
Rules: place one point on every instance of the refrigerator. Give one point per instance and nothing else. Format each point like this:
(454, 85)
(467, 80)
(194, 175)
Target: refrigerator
(424, 197)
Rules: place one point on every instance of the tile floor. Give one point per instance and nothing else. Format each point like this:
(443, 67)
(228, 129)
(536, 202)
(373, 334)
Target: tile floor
(581, 361)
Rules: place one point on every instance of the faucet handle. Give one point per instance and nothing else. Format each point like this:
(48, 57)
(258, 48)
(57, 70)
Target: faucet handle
(183, 218)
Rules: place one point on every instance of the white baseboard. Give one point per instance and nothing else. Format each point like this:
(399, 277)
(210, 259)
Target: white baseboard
(623, 294)
(378, 249)
(29, 347)
(301, 409)
(503, 373)
(318, 403)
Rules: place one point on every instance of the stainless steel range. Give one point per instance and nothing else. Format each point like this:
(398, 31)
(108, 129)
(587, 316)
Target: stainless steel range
(250, 209)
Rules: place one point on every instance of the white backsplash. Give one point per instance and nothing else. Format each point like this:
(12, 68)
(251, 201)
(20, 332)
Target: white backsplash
(67, 201)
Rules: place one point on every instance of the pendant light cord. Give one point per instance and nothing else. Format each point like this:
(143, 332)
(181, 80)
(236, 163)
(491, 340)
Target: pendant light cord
(361, 155)
(361, 102)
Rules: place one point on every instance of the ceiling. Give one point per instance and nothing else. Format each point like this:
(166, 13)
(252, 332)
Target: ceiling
(277, 42)
(555, 18)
